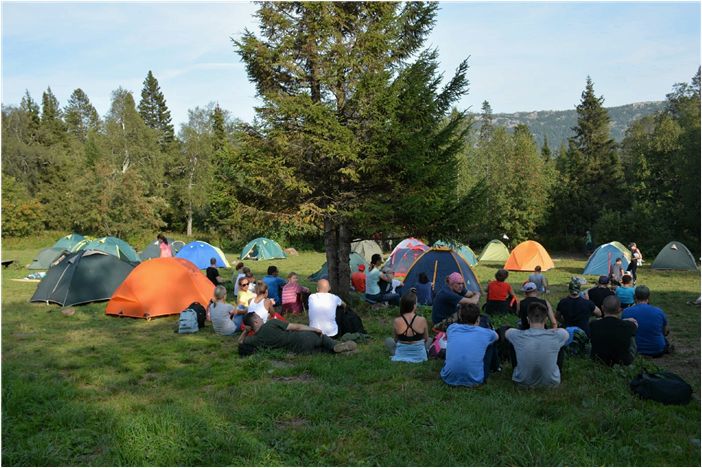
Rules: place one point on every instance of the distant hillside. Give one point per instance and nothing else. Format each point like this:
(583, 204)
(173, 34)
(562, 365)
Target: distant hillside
(556, 125)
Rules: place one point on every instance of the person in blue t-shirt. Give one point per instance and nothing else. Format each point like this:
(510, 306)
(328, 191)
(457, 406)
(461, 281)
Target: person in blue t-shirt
(467, 349)
(625, 292)
(653, 325)
(450, 296)
(275, 285)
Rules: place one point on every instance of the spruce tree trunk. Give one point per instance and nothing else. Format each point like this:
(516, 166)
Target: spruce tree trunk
(337, 244)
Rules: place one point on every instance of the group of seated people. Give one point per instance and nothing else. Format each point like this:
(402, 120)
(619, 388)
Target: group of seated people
(629, 325)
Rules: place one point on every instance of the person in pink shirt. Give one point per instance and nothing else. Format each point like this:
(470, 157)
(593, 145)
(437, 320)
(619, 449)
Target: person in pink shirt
(163, 245)
(292, 295)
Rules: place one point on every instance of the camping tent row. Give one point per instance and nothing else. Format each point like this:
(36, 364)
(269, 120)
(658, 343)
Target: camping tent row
(200, 253)
(46, 257)
(262, 249)
(674, 256)
(527, 256)
(75, 242)
(462, 249)
(601, 261)
(438, 263)
(494, 252)
(366, 249)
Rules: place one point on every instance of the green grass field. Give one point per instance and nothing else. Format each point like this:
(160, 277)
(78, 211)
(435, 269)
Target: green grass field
(96, 390)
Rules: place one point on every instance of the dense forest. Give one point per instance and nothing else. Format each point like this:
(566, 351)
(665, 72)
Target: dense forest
(355, 138)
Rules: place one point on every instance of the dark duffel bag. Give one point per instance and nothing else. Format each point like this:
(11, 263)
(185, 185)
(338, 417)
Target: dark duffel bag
(663, 387)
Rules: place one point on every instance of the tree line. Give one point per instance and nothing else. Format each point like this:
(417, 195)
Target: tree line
(355, 137)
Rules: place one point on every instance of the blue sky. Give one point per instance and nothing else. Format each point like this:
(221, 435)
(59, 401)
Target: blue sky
(523, 56)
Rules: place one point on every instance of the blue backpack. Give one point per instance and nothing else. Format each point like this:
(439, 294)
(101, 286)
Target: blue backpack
(188, 321)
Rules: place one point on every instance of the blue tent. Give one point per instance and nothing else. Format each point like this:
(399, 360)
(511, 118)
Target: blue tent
(200, 253)
(465, 251)
(603, 258)
(437, 263)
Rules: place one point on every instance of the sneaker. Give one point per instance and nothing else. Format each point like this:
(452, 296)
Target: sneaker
(345, 347)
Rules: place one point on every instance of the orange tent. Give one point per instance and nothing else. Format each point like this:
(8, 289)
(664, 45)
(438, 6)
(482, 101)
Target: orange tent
(160, 286)
(527, 255)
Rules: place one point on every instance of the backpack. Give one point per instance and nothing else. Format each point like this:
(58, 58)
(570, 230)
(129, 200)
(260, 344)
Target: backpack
(187, 323)
(663, 387)
(348, 321)
(438, 346)
(579, 344)
(201, 314)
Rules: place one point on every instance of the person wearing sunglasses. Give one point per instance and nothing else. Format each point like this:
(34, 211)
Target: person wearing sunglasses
(244, 296)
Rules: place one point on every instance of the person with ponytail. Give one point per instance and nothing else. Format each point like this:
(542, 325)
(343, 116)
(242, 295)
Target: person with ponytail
(410, 332)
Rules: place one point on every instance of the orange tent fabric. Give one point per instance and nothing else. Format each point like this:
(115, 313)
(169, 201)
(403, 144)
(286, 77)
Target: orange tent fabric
(160, 286)
(527, 255)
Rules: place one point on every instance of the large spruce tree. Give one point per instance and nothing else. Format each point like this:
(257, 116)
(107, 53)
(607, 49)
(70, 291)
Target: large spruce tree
(330, 115)
(80, 115)
(154, 111)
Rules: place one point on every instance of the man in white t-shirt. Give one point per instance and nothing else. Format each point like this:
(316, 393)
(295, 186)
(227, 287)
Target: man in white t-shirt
(322, 307)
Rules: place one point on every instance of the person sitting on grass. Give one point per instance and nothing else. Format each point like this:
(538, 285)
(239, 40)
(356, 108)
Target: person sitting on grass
(425, 290)
(250, 277)
(652, 325)
(613, 339)
(275, 285)
(237, 275)
(373, 278)
(500, 295)
(322, 305)
(293, 337)
(617, 272)
(410, 332)
(293, 295)
(539, 279)
(600, 291)
(536, 350)
(261, 305)
(576, 311)
(531, 294)
(625, 292)
(450, 296)
(245, 296)
(224, 317)
(468, 358)
(213, 273)
(358, 279)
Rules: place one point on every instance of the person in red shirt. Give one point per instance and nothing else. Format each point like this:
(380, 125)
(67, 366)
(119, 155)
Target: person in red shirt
(358, 279)
(500, 295)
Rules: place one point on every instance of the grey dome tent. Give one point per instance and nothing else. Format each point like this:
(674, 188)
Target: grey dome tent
(355, 259)
(82, 277)
(366, 249)
(674, 256)
(153, 250)
(45, 258)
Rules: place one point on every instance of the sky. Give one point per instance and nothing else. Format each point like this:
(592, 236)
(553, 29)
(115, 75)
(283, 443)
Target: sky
(522, 56)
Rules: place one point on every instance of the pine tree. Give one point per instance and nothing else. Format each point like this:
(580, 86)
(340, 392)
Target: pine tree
(545, 150)
(486, 124)
(154, 111)
(31, 108)
(80, 115)
(52, 128)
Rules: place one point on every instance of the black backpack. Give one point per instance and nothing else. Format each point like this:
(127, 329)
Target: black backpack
(201, 314)
(663, 387)
(348, 321)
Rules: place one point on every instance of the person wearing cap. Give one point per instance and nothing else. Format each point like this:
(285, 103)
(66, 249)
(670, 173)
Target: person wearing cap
(575, 310)
(531, 296)
(358, 279)
(653, 325)
(598, 293)
(452, 294)
(613, 339)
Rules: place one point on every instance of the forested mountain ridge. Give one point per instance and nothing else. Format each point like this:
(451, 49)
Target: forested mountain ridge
(557, 125)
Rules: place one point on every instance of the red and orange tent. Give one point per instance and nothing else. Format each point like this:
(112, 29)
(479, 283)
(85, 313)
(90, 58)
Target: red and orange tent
(527, 255)
(160, 286)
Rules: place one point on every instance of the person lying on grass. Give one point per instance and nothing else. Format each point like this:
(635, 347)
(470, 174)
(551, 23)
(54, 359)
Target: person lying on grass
(293, 337)
(536, 350)
(468, 358)
(410, 332)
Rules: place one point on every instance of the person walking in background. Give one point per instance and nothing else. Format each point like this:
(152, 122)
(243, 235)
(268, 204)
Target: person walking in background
(588, 243)
(539, 280)
(636, 260)
(166, 251)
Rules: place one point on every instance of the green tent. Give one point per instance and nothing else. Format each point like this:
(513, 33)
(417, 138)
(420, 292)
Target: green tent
(495, 251)
(465, 251)
(262, 249)
(366, 248)
(674, 256)
(110, 245)
(45, 258)
(68, 242)
(82, 277)
(355, 259)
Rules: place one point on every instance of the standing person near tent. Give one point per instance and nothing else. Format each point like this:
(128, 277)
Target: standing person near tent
(636, 260)
(373, 292)
(213, 273)
(224, 317)
(410, 332)
(500, 295)
(588, 243)
(539, 280)
(163, 245)
(261, 305)
(275, 284)
(294, 295)
(238, 274)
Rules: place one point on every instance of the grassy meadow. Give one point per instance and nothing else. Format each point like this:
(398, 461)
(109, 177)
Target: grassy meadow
(96, 390)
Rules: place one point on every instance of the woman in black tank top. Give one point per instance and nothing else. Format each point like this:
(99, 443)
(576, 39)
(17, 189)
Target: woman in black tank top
(410, 332)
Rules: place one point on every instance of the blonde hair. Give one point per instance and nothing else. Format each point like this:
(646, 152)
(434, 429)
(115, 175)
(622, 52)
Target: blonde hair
(261, 287)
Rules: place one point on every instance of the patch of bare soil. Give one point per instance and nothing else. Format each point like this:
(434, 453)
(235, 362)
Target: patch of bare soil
(304, 377)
